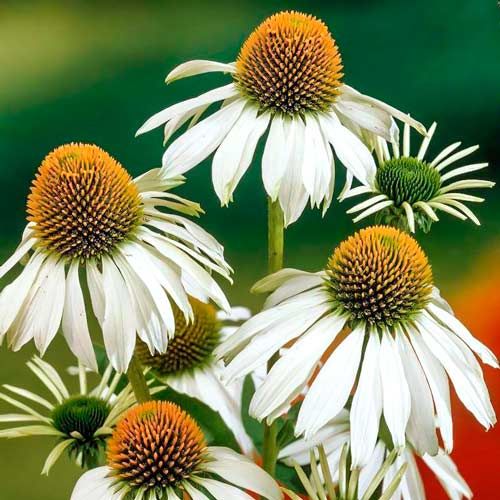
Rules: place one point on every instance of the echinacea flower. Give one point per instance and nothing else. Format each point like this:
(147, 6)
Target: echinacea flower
(408, 190)
(81, 422)
(335, 436)
(86, 213)
(158, 452)
(374, 308)
(189, 366)
(288, 76)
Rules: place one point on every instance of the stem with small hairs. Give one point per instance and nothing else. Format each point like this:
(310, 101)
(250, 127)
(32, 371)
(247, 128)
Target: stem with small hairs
(275, 225)
(137, 380)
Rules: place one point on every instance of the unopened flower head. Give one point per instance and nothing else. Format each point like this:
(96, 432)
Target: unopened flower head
(289, 77)
(371, 325)
(397, 474)
(81, 422)
(86, 212)
(408, 190)
(189, 365)
(158, 451)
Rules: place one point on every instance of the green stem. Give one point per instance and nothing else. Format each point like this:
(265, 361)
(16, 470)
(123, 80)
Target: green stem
(138, 381)
(275, 247)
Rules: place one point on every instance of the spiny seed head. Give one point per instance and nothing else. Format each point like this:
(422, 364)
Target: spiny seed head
(83, 414)
(192, 345)
(380, 275)
(82, 202)
(290, 64)
(155, 445)
(408, 179)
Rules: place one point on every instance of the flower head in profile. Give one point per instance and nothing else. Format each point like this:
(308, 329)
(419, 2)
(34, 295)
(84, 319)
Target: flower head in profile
(80, 422)
(189, 365)
(334, 439)
(376, 317)
(158, 452)
(407, 190)
(87, 216)
(288, 77)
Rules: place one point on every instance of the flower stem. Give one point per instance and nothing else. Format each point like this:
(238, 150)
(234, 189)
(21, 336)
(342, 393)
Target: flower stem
(275, 263)
(137, 380)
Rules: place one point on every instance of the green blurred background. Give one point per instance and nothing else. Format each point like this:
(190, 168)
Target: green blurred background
(93, 71)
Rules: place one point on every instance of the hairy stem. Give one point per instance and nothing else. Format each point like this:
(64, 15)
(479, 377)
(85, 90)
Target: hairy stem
(275, 263)
(137, 380)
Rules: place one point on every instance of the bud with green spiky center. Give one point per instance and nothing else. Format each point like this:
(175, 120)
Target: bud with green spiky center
(79, 418)
(410, 180)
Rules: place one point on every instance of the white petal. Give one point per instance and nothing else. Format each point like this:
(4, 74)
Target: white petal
(74, 321)
(94, 282)
(332, 386)
(469, 385)
(263, 346)
(349, 149)
(275, 280)
(455, 157)
(438, 383)
(294, 286)
(119, 319)
(292, 194)
(461, 331)
(447, 473)
(426, 141)
(366, 116)
(234, 155)
(275, 157)
(19, 253)
(197, 67)
(242, 472)
(268, 319)
(291, 372)
(421, 424)
(395, 391)
(222, 491)
(412, 487)
(218, 94)
(366, 405)
(354, 94)
(14, 295)
(96, 484)
(317, 162)
(197, 143)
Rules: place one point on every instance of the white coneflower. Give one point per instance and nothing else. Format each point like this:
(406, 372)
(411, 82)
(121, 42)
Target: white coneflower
(408, 190)
(158, 452)
(81, 422)
(334, 437)
(288, 75)
(86, 213)
(189, 366)
(375, 310)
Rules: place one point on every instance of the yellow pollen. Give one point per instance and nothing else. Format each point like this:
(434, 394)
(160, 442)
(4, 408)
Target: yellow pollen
(380, 275)
(155, 445)
(290, 64)
(82, 202)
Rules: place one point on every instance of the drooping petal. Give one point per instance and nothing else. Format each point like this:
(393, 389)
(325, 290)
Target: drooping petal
(218, 94)
(198, 67)
(395, 391)
(197, 143)
(366, 406)
(329, 392)
(74, 321)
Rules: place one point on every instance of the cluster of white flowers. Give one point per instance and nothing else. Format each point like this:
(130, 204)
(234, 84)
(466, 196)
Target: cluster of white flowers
(359, 355)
